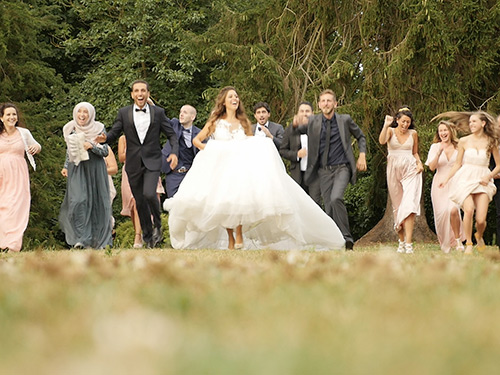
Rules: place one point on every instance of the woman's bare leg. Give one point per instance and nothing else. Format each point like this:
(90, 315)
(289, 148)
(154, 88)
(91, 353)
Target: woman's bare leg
(230, 239)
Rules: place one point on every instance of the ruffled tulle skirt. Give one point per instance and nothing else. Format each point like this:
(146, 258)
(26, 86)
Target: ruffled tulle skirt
(244, 182)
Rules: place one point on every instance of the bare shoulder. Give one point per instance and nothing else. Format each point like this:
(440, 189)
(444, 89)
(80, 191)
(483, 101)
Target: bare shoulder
(464, 141)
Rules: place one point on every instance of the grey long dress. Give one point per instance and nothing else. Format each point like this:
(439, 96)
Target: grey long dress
(85, 216)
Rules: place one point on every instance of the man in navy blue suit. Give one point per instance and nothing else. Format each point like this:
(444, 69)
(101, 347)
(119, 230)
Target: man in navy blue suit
(185, 132)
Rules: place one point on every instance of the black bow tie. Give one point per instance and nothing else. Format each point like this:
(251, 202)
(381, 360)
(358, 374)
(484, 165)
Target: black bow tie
(187, 130)
(140, 109)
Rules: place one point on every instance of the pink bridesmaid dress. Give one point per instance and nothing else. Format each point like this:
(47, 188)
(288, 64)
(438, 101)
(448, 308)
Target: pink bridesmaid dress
(441, 203)
(15, 197)
(403, 181)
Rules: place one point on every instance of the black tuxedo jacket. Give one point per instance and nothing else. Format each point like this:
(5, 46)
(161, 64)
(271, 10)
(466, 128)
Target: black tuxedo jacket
(149, 152)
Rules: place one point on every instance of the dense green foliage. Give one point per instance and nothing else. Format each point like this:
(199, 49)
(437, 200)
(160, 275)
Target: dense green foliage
(376, 54)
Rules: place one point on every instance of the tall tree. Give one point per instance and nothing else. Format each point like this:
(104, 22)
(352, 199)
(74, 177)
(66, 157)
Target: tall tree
(126, 40)
(24, 71)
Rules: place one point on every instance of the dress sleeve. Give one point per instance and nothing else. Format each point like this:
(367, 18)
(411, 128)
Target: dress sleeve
(100, 149)
(432, 153)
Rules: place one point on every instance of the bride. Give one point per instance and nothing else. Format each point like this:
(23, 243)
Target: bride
(238, 190)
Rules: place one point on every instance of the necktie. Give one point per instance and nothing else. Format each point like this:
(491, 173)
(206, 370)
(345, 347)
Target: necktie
(140, 110)
(326, 151)
(187, 137)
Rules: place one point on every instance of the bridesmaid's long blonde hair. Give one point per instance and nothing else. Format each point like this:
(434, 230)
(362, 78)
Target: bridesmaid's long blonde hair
(461, 121)
(451, 129)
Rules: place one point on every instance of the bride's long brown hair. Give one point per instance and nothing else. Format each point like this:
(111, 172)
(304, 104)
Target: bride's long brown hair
(219, 111)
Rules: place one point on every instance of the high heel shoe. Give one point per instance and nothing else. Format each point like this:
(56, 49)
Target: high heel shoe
(460, 245)
(238, 246)
(480, 245)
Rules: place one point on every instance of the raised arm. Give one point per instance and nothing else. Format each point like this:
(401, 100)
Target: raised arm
(385, 134)
(433, 156)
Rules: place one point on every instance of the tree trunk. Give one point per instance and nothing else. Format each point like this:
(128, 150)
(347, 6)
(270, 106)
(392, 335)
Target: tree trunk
(384, 231)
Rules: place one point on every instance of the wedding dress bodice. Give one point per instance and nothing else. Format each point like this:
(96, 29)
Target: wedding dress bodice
(223, 131)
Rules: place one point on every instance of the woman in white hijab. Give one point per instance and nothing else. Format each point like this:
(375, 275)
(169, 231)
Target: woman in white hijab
(85, 216)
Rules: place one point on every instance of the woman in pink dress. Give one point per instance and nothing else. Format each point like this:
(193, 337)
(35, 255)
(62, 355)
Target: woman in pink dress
(472, 186)
(441, 158)
(15, 197)
(404, 174)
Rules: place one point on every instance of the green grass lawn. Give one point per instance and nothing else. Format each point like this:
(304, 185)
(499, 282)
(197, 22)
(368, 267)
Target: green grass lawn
(250, 312)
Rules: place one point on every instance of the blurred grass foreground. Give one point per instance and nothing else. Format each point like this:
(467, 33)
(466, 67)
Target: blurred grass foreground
(249, 312)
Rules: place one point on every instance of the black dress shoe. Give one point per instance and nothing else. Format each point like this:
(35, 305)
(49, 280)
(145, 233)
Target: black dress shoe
(349, 245)
(157, 236)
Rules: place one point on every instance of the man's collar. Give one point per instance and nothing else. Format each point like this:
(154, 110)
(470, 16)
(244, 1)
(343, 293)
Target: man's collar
(146, 106)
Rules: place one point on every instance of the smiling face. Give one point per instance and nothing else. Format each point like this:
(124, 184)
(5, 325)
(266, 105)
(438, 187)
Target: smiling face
(327, 104)
(140, 94)
(404, 123)
(476, 125)
(9, 117)
(261, 115)
(444, 133)
(232, 100)
(82, 116)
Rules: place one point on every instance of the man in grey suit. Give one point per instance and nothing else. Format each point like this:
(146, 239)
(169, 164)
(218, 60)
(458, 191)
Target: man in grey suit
(264, 127)
(332, 159)
(294, 149)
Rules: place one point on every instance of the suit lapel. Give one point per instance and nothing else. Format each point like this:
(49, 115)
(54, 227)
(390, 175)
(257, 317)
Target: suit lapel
(152, 112)
(151, 120)
(340, 125)
(317, 127)
(130, 116)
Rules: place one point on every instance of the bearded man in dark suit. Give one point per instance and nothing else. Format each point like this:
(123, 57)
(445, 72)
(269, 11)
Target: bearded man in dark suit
(330, 156)
(142, 125)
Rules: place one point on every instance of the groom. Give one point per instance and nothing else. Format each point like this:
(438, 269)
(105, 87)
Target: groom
(142, 124)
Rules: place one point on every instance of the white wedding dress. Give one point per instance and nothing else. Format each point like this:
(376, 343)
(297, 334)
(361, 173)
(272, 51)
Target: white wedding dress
(242, 180)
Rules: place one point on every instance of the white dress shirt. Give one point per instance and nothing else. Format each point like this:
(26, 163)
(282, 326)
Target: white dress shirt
(303, 144)
(186, 134)
(259, 132)
(142, 121)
